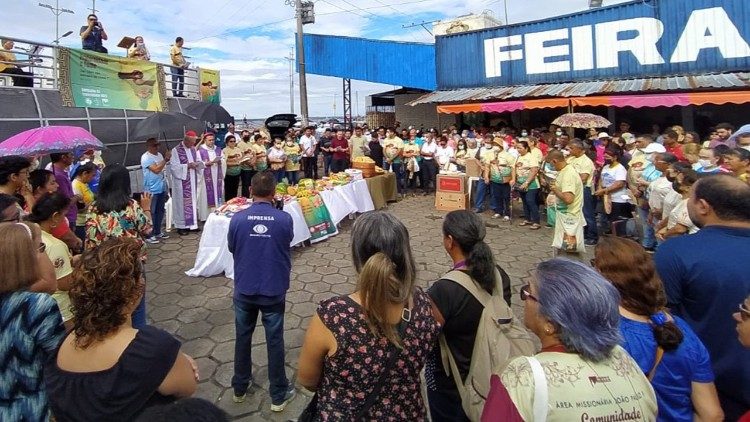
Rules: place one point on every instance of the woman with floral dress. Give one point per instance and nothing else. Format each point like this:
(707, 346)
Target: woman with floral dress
(363, 352)
(116, 214)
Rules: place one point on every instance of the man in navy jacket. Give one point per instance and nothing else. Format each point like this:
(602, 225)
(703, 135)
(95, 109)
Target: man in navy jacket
(259, 238)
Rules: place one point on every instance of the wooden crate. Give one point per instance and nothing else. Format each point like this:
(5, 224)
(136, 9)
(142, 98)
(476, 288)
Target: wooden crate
(451, 201)
(451, 183)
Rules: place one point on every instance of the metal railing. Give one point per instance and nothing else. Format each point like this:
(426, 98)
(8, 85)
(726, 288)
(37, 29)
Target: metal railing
(39, 61)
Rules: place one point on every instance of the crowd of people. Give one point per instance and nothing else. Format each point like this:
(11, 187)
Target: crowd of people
(656, 328)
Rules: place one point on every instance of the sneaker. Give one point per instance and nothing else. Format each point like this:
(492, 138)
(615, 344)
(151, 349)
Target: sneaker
(239, 398)
(506, 218)
(287, 399)
(152, 240)
(496, 216)
(478, 211)
(163, 236)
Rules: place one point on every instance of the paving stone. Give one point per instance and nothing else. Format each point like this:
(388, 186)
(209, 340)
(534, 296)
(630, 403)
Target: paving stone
(199, 310)
(194, 330)
(198, 347)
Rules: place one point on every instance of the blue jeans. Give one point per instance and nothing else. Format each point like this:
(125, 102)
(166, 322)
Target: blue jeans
(157, 211)
(178, 81)
(482, 190)
(292, 177)
(649, 237)
(398, 168)
(500, 199)
(327, 160)
(530, 206)
(245, 318)
(589, 213)
(279, 175)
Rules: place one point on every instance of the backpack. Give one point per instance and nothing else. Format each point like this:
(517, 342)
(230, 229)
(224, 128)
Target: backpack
(500, 338)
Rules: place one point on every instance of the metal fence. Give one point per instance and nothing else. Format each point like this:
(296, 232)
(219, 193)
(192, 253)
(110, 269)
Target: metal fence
(39, 60)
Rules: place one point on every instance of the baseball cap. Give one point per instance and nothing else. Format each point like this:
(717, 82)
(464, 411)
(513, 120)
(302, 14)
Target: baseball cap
(603, 135)
(654, 147)
(629, 138)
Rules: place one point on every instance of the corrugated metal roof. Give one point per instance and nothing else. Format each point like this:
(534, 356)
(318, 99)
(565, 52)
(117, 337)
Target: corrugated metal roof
(583, 89)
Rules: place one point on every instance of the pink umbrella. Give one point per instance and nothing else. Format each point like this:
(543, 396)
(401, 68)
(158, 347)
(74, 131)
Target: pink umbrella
(49, 139)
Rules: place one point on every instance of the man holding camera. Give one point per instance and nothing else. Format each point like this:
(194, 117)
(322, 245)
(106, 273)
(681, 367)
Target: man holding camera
(93, 34)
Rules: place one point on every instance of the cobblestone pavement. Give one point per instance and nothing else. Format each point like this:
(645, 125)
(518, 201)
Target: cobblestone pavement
(199, 312)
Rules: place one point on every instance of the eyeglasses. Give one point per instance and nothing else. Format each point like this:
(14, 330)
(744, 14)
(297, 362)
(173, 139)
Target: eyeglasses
(744, 312)
(526, 294)
(42, 248)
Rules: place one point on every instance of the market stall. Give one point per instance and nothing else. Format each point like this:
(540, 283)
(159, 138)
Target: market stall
(314, 217)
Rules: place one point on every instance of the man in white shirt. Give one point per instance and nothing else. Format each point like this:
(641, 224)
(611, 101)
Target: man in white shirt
(444, 154)
(308, 143)
(658, 190)
(230, 131)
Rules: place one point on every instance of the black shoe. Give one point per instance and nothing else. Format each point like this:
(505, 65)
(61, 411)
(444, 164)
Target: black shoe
(195, 230)
(182, 232)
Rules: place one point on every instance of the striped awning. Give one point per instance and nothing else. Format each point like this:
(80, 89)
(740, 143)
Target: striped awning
(635, 101)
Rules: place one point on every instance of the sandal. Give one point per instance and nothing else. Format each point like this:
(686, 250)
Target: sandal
(535, 226)
(525, 223)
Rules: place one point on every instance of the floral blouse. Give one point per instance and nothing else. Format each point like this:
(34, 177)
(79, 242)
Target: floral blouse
(130, 222)
(355, 369)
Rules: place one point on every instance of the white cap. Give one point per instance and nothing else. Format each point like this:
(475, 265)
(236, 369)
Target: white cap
(603, 135)
(654, 147)
(628, 137)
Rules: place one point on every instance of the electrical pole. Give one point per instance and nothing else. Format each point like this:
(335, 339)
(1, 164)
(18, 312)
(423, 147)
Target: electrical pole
(301, 63)
(57, 11)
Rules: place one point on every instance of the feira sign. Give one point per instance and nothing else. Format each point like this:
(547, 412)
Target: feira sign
(599, 46)
(642, 38)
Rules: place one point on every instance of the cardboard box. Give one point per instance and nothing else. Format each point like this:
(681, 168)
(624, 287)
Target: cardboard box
(451, 183)
(451, 201)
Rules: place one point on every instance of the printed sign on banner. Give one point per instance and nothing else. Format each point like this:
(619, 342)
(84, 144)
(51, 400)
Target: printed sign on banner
(96, 80)
(317, 217)
(210, 89)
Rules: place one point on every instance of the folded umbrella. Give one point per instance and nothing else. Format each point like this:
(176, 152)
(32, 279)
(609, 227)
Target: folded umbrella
(209, 112)
(49, 139)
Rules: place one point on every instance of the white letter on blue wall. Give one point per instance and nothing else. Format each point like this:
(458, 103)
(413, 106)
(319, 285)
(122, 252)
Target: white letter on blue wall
(494, 56)
(582, 43)
(537, 52)
(643, 45)
(710, 28)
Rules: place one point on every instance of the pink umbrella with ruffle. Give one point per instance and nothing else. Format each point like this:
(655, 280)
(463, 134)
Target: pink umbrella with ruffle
(48, 140)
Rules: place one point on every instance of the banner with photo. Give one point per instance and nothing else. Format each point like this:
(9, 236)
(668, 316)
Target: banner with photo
(95, 80)
(210, 89)
(317, 217)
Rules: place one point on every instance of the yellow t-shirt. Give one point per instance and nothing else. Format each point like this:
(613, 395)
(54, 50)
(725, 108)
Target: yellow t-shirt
(6, 56)
(486, 155)
(261, 160)
(524, 164)
(59, 254)
(581, 390)
(537, 154)
(355, 146)
(413, 148)
(583, 165)
(293, 157)
(80, 188)
(392, 147)
(568, 180)
(175, 53)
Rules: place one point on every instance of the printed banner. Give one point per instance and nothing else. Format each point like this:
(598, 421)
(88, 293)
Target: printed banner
(210, 90)
(317, 217)
(96, 80)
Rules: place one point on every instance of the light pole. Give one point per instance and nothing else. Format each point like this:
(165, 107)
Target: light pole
(291, 81)
(57, 41)
(301, 61)
(57, 11)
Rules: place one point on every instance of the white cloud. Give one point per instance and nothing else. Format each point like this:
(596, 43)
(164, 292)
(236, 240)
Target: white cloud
(249, 40)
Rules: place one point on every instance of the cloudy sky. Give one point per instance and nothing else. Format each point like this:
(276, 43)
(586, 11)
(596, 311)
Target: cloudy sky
(249, 40)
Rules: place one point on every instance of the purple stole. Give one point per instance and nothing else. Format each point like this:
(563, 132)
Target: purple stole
(187, 190)
(211, 198)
